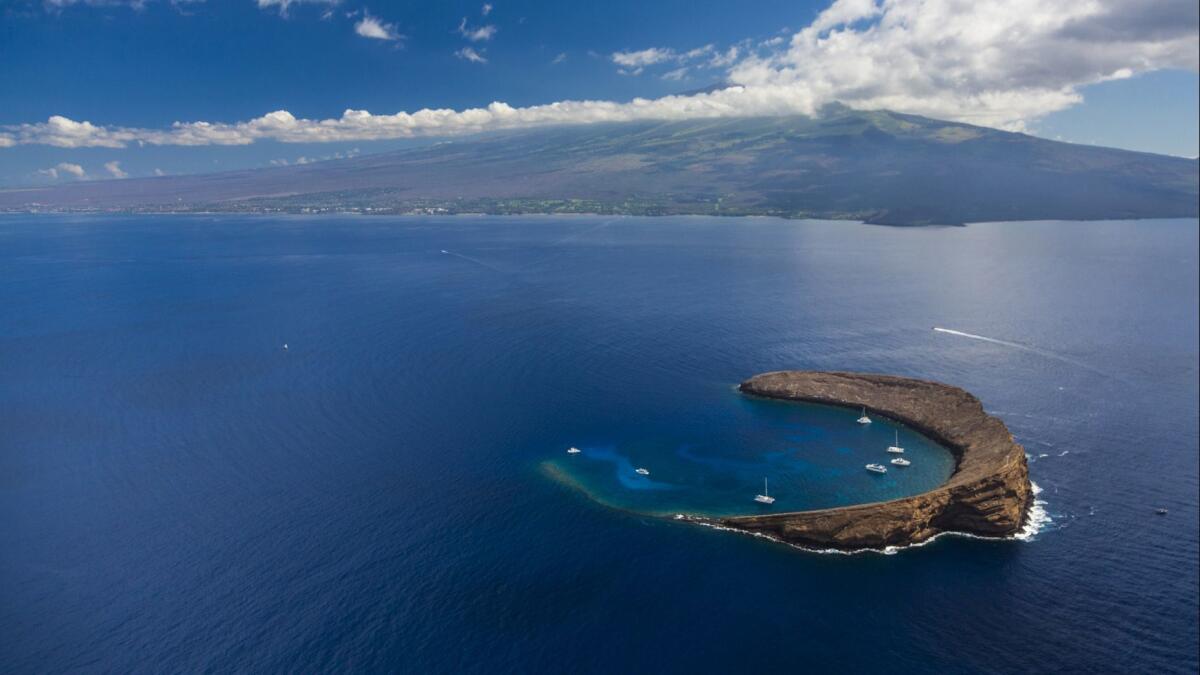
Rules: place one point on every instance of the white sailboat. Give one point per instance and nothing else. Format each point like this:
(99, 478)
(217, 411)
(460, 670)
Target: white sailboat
(896, 449)
(864, 419)
(765, 497)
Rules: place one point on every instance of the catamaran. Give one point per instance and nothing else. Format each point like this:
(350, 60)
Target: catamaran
(642, 472)
(765, 497)
(876, 468)
(900, 461)
(573, 451)
(896, 448)
(864, 419)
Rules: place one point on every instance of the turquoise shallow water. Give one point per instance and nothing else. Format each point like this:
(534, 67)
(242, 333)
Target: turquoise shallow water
(180, 494)
(713, 459)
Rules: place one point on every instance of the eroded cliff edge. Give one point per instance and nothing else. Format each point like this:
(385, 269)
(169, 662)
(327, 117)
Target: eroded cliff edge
(988, 494)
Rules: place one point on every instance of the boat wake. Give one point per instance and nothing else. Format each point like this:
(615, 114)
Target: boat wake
(477, 261)
(1023, 347)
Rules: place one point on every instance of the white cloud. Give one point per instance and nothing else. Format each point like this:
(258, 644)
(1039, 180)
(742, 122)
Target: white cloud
(471, 55)
(481, 34)
(994, 63)
(63, 169)
(114, 169)
(66, 133)
(562, 56)
(371, 27)
(642, 58)
(636, 62)
(677, 74)
(73, 169)
(997, 64)
(159, 172)
(285, 5)
(726, 58)
(486, 9)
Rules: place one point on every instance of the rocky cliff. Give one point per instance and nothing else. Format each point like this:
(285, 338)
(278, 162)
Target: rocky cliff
(988, 494)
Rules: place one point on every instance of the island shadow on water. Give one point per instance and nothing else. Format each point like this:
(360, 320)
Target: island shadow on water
(812, 455)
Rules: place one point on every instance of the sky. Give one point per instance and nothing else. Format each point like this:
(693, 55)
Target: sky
(103, 89)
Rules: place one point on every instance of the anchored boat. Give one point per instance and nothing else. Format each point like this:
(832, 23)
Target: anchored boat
(765, 497)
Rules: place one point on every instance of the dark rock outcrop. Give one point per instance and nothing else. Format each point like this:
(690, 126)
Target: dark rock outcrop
(989, 493)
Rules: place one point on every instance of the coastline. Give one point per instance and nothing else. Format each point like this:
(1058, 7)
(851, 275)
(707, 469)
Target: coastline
(988, 495)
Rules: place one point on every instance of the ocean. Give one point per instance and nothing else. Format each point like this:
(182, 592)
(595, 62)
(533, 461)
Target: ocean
(391, 492)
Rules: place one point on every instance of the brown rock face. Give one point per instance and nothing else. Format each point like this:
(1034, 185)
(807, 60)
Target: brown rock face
(988, 494)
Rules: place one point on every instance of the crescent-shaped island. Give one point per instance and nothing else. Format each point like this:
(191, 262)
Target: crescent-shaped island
(987, 495)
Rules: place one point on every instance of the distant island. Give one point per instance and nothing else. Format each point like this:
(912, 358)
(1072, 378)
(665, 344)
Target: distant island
(874, 166)
(987, 495)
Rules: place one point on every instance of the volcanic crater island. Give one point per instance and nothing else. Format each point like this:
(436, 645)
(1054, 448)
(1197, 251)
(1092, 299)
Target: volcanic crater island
(987, 495)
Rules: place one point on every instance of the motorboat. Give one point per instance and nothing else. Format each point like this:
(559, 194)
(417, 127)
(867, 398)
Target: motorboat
(900, 461)
(642, 472)
(573, 451)
(876, 468)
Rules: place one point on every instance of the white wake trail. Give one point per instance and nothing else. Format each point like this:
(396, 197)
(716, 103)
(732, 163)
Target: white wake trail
(1023, 347)
(477, 261)
(973, 336)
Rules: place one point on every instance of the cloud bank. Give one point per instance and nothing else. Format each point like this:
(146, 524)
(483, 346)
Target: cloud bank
(999, 64)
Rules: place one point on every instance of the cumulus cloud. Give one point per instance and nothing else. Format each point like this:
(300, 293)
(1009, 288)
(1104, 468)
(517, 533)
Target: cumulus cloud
(996, 64)
(993, 63)
(469, 54)
(480, 34)
(371, 27)
(62, 132)
(486, 9)
(114, 169)
(64, 169)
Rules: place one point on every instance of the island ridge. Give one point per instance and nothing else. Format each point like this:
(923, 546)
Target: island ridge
(987, 495)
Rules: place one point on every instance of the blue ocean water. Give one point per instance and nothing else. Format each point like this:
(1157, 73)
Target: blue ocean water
(715, 451)
(180, 493)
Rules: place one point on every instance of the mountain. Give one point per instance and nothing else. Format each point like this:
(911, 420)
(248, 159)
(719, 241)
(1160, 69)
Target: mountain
(878, 166)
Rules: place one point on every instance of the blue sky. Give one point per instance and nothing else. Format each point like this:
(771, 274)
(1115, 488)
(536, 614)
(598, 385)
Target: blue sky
(132, 69)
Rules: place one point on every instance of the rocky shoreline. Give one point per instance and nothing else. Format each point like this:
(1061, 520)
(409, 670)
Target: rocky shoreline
(987, 495)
